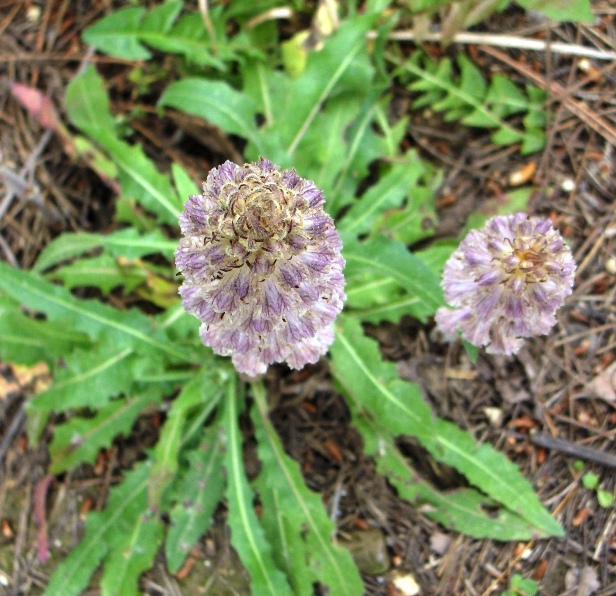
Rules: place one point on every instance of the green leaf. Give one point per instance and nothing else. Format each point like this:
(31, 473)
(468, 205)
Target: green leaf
(127, 328)
(521, 586)
(202, 391)
(463, 510)
(127, 243)
(102, 272)
(467, 98)
(562, 10)
(80, 439)
(140, 180)
(415, 220)
(375, 387)
(247, 535)
(87, 104)
(590, 480)
(87, 379)
(123, 33)
(183, 182)
(216, 102)
(383, 258)
(294, 518)
(27, 341)
(132, 549)
(388, 193)
(116, 34)
(605, 498)
(200, 491)
(125, 507)
(342, 66)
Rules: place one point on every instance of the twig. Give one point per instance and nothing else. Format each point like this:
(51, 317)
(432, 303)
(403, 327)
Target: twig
(572, 449)
(505, 41)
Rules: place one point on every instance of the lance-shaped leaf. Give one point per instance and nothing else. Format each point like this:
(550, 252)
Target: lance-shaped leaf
(102, 272)
(381, 258)
(80, 439)
(123, 33)
(87, 379)
(132, 548)
(202, 391)
(375, 387)
(217, 103)
(126, 505)
(26, 340)
(464, 510)
(127, 243)
(295, 520)
(247, 535)
(87, 105)
(388, 193)
(199, 491)
(125, 328)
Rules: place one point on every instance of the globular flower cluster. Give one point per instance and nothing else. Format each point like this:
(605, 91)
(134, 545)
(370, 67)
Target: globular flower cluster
(262, 266)
(505, 282)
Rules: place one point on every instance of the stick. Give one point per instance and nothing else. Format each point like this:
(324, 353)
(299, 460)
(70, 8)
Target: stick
(506, 41)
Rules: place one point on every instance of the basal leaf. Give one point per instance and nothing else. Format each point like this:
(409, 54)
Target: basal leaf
(202, 391)
(216, 102)
(65, 247)
(80, 439)
(415, 221)
(247, 536)
(494, 474)
(132, 548)
(388, 193)
(562, 10)
(140, 180)
(294, 518)
(87, 379)
(127, 243)
(127, 502)
(102, 272)
(184, 184)
(467, 98)
(383, 258)
(342, 66)
(116, 34)
(128, 328)
(199, 491)
(26, 340)
(376, 390)
(87, 103)
(464, 510)
(123, 34)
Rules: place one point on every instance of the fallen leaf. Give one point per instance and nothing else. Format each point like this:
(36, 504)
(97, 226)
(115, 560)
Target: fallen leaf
(604, 384)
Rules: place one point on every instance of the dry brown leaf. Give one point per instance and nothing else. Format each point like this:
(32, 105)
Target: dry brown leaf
(604, 384)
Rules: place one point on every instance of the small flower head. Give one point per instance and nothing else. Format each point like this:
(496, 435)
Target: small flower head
(262, 266)
(505, 282)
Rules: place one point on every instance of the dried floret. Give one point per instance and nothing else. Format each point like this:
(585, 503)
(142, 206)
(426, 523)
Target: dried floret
(505, 282)
(262, 266)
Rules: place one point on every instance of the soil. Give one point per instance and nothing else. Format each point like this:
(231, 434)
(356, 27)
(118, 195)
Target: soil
(560, 386)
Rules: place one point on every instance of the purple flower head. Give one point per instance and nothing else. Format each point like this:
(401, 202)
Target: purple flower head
(506, 281)
(262, 266)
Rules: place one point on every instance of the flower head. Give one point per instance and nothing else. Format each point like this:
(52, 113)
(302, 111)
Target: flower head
(262, 266)
(506, 281)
